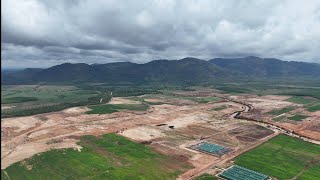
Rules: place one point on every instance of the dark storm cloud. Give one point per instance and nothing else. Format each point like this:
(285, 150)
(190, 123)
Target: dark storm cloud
(101, 31)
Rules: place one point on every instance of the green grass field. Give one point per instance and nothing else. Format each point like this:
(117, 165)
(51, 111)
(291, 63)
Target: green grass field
(206, 176)
(110, 108)
(298, 117)
(314, 108)
(29, 96)
(281, 111)
(273, 87)
(279, 118)
(284, 157)
(28, 100)
(108, 157)
(46, 93)
(302, 100)
(310, 104)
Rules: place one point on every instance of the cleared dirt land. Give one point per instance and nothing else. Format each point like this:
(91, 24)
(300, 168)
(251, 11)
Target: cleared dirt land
(169, 128)
(289, 113)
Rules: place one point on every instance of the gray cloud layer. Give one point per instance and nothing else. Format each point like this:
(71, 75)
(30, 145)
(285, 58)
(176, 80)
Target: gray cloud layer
(40, 33)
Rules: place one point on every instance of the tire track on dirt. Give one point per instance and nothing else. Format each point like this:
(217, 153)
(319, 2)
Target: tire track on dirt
(24, 139)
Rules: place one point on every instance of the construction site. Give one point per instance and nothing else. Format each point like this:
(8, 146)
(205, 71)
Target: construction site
(206, 135)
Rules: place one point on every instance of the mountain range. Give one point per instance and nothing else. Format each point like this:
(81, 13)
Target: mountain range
(185, 70)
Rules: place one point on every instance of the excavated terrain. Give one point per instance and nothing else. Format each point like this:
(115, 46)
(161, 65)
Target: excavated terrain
(169, 128)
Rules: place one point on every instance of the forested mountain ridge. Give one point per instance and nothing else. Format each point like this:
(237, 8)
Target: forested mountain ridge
(166, 71)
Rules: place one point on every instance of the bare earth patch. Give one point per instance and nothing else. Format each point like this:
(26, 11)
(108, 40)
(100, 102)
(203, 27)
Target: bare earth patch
(7, 107)
(155, 100)
(143, 133)
(28, 150)
(20, 123)
(267, 103)
(76, 110)
(118, 100)
(264, 104)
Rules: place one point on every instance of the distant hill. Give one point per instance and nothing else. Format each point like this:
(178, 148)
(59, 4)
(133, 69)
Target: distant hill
(268, 67)
(24, 76)
(187, 70)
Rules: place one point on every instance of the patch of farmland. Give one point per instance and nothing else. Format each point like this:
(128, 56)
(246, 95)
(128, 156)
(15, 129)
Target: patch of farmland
(281, 111)
(106, 157)
(279, 118)
(302, 99)
(283, 157)
(298, 117)
(314, 108)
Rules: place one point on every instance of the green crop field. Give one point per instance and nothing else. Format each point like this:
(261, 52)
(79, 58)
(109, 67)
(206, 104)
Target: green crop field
(110, 108)
(284, 157)
(314, 108)
(302, 100)
(206, 176)
(24, 100)
(298, 117)
(107, 157)
(46, 93)
(292, 88)
(43, 94)
(281, 111)
(279, 118)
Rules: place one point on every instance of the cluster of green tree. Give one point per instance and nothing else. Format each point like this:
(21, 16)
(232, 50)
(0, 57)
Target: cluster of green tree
(39, 110)
(133, 92)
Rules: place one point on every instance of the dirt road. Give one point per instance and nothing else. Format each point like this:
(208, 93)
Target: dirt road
(237, 115)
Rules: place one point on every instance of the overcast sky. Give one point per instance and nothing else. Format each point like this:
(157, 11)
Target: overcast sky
(42, 33)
